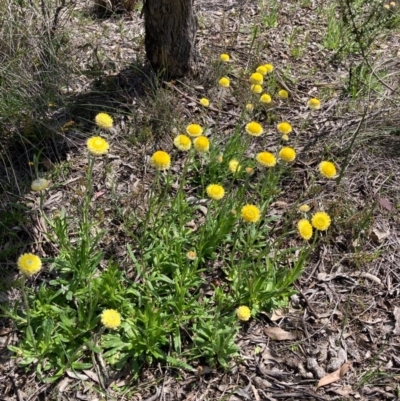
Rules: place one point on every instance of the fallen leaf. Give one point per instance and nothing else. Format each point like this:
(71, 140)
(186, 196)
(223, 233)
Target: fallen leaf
(92, 375)
(378, 236)
(268, 357)
(276, 315)
(334, 376)
(385, 204)
(396, 314)
(276, 333)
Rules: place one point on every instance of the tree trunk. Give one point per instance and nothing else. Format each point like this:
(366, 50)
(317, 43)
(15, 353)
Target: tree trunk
(170, 27)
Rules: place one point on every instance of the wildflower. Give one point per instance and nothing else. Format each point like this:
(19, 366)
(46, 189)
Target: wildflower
(287, 154)
(249, 107)
(266, 159)
(110, 318)
(182, 142)
(224, 57)
(269, 68)
(234, 166)
(314, 104)
(201, 144)
(265, 98)
(243, 313)
(215, 191)
(262, 70)
(250, 170)
(191, 255)
(321, 221)
(305, 229)
(256, 88)
(285, 138)
(39, 184)
(327, 169)
(224, 82)
(304, 208)
(220, 158)
(97, 145)
(204, 102)
(29, 264)
(256, 78)
(284, 128)
(161, 160)
(387, 6)
(194, 130)
(104, 120)
(283, 94)
(250, 213)
(392, 4)
(254, 129)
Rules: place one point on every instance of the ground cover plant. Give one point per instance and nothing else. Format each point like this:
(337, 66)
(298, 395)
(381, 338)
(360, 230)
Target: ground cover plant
(169, 234)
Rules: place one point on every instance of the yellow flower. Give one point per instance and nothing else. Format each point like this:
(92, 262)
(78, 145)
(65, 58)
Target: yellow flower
(220, 158)
(215, 191)
(284, 128)
(191, 255)
(266, 159)
(387, 6)
(285, 138)
(250, 170)
(194, 130)
(249, 107)
(283, 94)
(243, 313)
(29, 264)
(327, 169)
(305, 229)
(103, 120)
(201, 144)
(224, 57)
(97, 145)
(256, 78)
(110, 318)
(321, 221)
(250, 213)
(256, 88)
(304, 208)
(392, 4)
(314, 104)
(40, 184)
(161, 160)
(224, 82)
(182, 142)
(204, 102)
(234, 166)
(269, 68)
(262, 70)
(265, 98)
(287, 154)
(254, 129)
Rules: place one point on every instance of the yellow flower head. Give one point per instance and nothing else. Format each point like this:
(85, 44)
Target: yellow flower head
(191, 255)
(392, 4)
(215, 191)
(220, 158)
(269, 68)
(234, 166)
(283, 94)
(285, 138)
(243, 313)
(29, 264)
(201, 144)
(204, 102)
(97, 145)
(387, 6)
(314, 104)
(40, 184)
(110, 318)
(284, 128)
(304, 208)
(183, 142)
(327, 169)
(287, 154)
(253, 128)
(305, 229)
(265, 98)
(103, 120)
(194, 130)
(256, 78)
(250, 213)
(266, 159)
(224, 82)
(321, 221)
(249, 107)
(161, 160)
(262, 70)
(250, 170)
(224, 57)
(256, 88)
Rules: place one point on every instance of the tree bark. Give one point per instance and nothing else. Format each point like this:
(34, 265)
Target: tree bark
(170, 28)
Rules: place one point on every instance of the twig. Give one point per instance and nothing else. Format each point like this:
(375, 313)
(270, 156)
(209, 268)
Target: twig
(312, 311)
